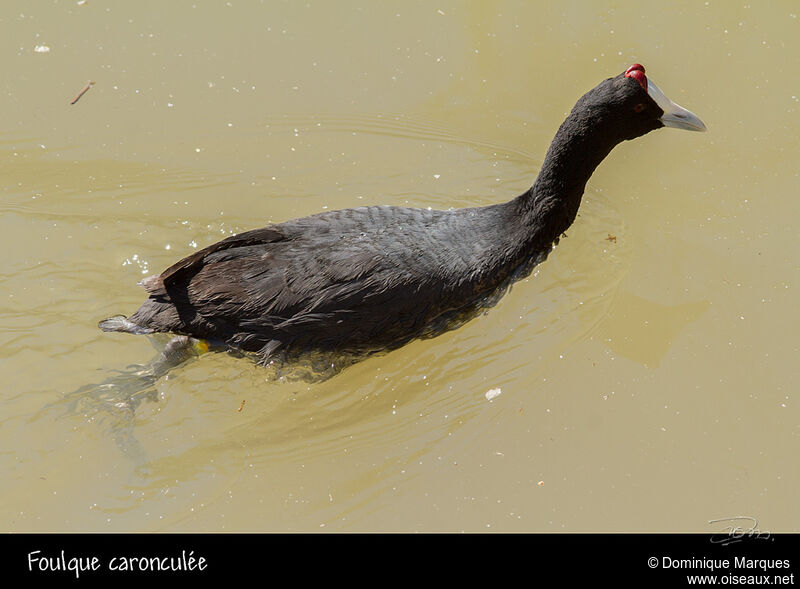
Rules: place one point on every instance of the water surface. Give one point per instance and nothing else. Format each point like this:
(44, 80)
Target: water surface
(646, 370)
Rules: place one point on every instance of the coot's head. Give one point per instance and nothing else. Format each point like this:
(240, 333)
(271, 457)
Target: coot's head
(630, 105)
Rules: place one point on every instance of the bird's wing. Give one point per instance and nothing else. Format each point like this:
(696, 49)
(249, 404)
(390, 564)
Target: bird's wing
(319, 264)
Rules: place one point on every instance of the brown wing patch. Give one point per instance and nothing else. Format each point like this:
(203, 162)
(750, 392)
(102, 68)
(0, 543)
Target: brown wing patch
(182, 271)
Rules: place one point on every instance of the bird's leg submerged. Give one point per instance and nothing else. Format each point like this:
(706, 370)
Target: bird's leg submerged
(119, 395)
(177, 351)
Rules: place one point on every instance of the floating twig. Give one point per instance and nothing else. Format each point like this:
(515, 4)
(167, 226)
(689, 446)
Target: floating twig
(82, 92)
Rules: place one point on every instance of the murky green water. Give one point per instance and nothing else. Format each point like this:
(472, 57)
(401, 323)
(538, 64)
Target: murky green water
(646, 370)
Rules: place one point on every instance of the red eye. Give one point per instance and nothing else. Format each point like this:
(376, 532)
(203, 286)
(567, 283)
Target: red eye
(638, 108)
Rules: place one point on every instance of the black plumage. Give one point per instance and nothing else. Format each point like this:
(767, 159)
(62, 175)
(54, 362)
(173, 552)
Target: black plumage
(370, 278)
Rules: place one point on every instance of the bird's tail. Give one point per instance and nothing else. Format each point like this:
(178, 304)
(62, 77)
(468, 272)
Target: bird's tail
(123, 324)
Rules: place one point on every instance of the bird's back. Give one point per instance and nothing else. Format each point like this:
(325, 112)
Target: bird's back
(341, 280)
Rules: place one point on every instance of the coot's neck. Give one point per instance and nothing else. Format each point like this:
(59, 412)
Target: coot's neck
(551, 204)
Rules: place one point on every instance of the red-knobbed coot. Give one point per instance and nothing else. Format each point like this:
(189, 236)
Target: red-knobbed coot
(372, 278)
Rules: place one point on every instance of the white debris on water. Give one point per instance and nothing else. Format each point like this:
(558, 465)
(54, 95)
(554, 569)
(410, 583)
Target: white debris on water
(492, 393)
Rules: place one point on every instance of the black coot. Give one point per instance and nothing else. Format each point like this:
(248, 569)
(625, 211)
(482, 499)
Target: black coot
(371, 278)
